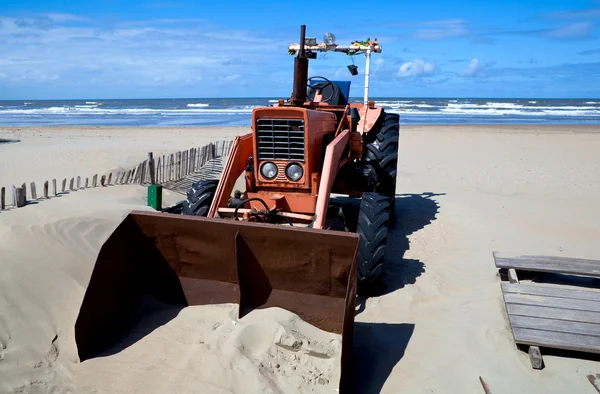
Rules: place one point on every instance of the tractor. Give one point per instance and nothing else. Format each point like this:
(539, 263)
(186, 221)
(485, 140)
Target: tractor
(268, 233)
(303, 150)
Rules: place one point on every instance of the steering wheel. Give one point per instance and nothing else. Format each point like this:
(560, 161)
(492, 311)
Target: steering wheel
(312, 88)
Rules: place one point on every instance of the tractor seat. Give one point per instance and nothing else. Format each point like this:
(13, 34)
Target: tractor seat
(340, 95)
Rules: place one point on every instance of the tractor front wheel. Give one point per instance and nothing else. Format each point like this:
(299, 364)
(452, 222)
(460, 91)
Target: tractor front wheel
(373, 224)
(382, 152)
(200, 197)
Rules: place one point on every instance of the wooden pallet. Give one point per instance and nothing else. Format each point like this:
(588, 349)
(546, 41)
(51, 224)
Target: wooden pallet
(551, 315)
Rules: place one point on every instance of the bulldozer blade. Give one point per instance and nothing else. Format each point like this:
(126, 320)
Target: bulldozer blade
(187, 260)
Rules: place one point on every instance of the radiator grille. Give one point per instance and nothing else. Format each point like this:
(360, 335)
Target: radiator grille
(280, 139)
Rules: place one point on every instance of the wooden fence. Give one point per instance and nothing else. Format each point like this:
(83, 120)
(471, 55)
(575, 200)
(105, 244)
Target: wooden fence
(170, 170)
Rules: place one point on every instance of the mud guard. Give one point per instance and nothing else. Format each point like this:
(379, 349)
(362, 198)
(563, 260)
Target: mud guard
(188, 260)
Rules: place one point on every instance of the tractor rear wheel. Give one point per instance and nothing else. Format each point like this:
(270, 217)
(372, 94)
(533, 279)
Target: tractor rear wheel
(382, 152)
(199, 197)
(373, 224)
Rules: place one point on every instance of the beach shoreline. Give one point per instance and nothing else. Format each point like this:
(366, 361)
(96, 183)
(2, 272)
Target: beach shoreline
(463, 191)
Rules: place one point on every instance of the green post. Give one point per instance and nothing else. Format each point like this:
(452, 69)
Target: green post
(155, 197)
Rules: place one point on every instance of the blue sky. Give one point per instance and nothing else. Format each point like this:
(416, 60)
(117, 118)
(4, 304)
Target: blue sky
(184, 49)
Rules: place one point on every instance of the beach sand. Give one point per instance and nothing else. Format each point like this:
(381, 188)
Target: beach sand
(465, 191)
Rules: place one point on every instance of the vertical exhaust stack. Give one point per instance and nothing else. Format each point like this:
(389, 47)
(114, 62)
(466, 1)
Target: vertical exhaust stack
(300, 72)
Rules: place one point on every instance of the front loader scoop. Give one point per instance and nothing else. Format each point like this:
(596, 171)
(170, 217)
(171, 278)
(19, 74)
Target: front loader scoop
(188, 260)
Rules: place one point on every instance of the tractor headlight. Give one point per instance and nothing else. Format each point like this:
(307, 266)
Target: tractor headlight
(294, 172)
(268, 170)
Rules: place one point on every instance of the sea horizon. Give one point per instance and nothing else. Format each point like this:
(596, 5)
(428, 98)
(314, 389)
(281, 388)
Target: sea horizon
(236, 111)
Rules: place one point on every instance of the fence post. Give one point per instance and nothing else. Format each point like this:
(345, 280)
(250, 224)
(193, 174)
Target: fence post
(20, 197)
(71, 183)
(95, 180)
(33, 191)
(87, 182)
(103, 180)
(78, 182)
(54, 191)
(46, 189)
(2, 198)
(151, 168)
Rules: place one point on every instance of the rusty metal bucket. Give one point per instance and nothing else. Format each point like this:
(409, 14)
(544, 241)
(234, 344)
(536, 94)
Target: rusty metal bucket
(186, 260)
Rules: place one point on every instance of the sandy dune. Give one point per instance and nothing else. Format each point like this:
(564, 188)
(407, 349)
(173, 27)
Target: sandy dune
(465, 191)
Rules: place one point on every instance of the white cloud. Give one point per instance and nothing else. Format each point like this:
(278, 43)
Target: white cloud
(476, 68)
(572, 30)
(416, 68)
(49, 50)
(443, 29)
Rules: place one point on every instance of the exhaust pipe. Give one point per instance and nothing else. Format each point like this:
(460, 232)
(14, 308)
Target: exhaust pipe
(300, 72)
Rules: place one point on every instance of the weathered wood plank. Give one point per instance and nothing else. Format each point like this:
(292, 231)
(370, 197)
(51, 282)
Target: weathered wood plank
(87, 182)
(3, 198)
(103, 180)
(71, 183)
(152, 169)
(553, 313)
(54, 190)
(127, 176)
(557, 340)
(109, 178)
(64, 185)
(14, 196)
(78, 182)
(559, 265)
(95, 180)
(158, 178)
(570, 327)
(551, 291)
(33, 191)
(552, 302)
(46, 189)
(24, 187)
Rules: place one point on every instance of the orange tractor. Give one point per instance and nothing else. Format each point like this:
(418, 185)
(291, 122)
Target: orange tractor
(302, 151)
(280, 241)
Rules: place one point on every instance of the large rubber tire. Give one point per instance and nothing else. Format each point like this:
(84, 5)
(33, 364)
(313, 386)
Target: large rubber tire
(382, 152)
(199, 197)
(373, 224)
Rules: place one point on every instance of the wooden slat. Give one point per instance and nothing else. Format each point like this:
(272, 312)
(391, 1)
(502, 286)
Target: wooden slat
(33, 191)
(553, 313)
(2, 198)
(558, 340)
(552, 302)
(551, 291)
(560, 265)
(556, 325)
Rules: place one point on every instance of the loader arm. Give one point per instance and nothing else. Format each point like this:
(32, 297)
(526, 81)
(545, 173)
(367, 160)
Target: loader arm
(241, 150)
(331, 165)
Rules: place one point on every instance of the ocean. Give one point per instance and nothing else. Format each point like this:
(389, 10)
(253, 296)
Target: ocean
(238, 111)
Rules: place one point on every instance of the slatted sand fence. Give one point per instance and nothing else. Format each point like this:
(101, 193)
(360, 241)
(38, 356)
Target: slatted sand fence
(176, 171)
(559, 313)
